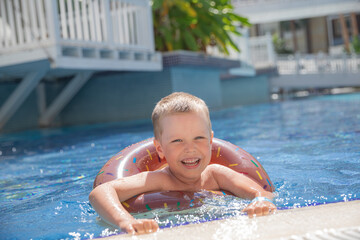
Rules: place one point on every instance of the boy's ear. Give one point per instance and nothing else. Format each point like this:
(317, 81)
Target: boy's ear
(158, 148)
(211, 137)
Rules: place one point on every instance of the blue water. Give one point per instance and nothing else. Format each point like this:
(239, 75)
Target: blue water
(310, 149)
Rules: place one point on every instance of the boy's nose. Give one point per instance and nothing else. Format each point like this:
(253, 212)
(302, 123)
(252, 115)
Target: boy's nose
(190, 147)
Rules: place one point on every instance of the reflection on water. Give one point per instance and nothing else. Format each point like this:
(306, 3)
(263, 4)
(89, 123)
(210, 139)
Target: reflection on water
(218, 207)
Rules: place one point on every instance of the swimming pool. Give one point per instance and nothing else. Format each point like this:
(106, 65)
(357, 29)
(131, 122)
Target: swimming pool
(310, 149)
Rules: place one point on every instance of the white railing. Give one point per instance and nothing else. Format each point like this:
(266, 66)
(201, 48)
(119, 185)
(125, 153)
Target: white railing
(246, 3)
(243, 3)
(320, 63)
(256, 51)
(26, 24)
(262, 52)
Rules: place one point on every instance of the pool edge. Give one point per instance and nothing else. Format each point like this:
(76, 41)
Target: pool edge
(333, 218)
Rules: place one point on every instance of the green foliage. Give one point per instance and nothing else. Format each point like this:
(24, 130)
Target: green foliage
(355, 45)
(194, 24)
(280, 45)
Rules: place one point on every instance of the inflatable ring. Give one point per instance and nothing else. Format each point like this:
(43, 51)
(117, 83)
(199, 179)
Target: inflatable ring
(142, 156)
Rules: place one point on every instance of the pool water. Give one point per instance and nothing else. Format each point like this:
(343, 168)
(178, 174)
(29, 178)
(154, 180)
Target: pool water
(310, 149)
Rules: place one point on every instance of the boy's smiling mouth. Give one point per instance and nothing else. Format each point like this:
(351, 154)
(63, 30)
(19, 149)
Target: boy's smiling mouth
(191, 162)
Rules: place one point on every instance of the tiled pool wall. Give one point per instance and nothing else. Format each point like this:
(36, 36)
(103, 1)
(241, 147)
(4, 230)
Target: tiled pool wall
(128, 96)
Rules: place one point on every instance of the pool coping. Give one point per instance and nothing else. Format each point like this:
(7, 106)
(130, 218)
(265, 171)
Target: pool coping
(329, 221)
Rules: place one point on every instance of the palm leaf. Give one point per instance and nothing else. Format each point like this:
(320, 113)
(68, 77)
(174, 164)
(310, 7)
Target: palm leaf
(190, 41)
(194, 24)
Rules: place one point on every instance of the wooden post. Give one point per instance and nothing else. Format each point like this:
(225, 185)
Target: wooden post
(345, 33)
(293, 32)
(354, 25)
(308, 36)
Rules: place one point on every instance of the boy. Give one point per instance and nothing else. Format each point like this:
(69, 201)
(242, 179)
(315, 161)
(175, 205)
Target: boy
(183, 135)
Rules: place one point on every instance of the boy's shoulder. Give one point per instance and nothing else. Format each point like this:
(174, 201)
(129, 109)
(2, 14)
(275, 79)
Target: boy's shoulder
(214, 168)
(160, 173)
(217, 170)
(163, 176)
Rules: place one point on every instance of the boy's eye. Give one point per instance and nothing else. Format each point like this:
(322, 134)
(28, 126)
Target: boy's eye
(176, 140)
(199, 138)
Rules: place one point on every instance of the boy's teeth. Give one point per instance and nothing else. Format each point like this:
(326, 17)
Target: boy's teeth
(190, 162)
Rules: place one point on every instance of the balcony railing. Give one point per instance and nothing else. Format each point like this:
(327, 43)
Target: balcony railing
(257, 2)
(270, 11)
(70, 38)
(317, 64)
(245, 3)
(114, 24)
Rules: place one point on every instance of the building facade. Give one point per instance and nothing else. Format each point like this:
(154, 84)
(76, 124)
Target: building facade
(327, 26)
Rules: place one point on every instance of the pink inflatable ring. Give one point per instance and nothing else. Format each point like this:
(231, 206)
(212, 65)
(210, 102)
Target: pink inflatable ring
(142, 156)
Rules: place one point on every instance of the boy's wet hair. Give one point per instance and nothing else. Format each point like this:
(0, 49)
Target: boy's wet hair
(177, 102)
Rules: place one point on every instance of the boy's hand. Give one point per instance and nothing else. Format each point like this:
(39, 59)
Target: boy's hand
(140, 226)
(260, 207)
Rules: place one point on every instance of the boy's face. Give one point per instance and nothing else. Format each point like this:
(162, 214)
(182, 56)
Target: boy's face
(185, 142)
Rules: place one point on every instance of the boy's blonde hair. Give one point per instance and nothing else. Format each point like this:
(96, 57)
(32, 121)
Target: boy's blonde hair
(177, 102)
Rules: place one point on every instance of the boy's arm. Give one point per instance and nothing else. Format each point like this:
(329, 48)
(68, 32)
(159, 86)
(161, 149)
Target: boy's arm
(244, 187)
(106, 200)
